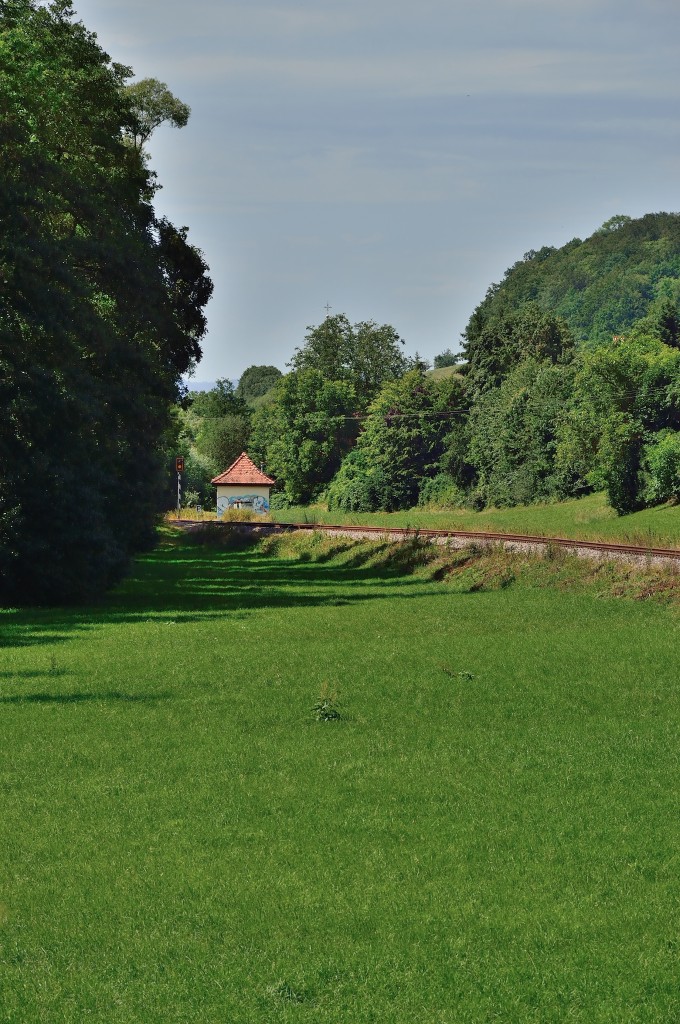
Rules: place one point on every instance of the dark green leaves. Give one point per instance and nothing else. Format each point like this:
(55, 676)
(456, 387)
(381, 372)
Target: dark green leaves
(101, 310)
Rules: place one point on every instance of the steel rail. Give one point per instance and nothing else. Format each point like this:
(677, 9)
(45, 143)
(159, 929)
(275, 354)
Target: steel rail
(638, 551)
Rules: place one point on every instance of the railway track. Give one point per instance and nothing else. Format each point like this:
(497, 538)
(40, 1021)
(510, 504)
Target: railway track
(460, 538)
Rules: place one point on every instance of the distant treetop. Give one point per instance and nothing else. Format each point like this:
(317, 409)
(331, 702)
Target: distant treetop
(256, 381)
(152, 104)
(446, 358)
(365, 354)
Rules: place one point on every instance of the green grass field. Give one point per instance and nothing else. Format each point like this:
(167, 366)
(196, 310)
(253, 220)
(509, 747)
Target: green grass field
(488, 834)
(588, 518)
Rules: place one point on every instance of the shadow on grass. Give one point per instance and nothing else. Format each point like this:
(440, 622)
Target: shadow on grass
(187, 582)
(36, 673)
(82, 698)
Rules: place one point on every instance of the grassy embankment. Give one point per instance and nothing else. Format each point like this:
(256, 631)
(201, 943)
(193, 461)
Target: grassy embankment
(489, 833)
(588, 518)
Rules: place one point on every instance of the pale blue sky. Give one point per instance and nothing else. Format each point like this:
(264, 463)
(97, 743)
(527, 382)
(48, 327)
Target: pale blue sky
(393, 158)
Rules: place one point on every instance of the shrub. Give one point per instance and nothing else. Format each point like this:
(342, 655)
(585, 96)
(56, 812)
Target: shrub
(441, 492)
(661, 462)
(358, 486)
(279, 500)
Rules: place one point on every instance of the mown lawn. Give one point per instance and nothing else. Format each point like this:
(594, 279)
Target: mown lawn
(588, 518)
(489, 833)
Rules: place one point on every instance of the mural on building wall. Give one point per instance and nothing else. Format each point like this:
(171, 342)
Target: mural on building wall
(256, 502)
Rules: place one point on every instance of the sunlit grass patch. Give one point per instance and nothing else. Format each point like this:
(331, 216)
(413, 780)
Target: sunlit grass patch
(488, 832)
(588, 518)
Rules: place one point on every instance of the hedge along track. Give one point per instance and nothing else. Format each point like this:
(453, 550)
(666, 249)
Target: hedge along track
(461, 538)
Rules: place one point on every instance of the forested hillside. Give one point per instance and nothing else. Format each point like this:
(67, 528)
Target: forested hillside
(599, 286)
(101, 308)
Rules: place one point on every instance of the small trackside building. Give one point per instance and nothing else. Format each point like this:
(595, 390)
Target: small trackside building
(243, 485)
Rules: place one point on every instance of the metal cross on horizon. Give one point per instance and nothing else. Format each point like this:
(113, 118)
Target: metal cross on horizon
(327, 308)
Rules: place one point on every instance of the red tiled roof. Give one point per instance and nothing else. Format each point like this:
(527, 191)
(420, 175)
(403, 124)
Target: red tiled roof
(243, 471)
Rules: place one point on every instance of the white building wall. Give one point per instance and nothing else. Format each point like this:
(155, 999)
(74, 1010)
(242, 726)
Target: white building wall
(253, 496)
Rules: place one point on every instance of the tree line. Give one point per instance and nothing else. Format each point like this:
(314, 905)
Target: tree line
(538, 407)
(101, 312)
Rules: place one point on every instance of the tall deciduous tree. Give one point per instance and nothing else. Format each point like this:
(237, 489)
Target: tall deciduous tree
(625, 404)
(152, 104)
(446, 358)
(221, 400)
(303, 433)
(401, 444)
(365, 354)
(221, 439)
(513, 436)
(495, 346)
(101, 311)
(222, 421)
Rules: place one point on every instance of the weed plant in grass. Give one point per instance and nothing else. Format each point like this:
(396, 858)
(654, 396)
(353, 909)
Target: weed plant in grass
(488, 833)
(588, 518)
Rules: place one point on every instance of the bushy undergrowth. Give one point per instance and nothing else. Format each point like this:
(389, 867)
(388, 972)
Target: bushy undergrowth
(442, 492)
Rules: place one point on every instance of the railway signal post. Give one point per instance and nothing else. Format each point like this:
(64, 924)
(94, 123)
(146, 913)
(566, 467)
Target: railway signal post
(179, 466)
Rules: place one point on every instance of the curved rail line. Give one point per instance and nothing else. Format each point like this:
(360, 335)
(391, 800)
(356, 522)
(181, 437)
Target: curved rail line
(441, 536)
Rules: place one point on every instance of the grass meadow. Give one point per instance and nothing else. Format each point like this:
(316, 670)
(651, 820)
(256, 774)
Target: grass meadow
(588, 518)
(488, 833)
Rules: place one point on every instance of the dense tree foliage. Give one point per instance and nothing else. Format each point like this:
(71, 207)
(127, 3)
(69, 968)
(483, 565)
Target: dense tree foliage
(221, 439)
(303, 433)
(534, 417)
(101, 311)
(400, 446)
(513, 437)
(221, 400)
(622, 422)
(506, 341)
(571, 364)
(212, 429)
